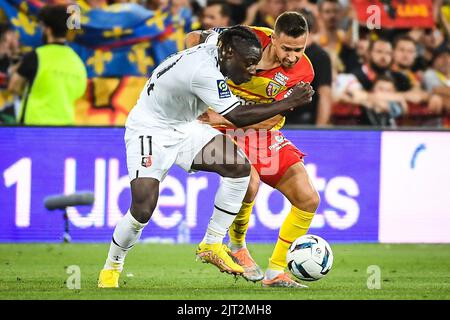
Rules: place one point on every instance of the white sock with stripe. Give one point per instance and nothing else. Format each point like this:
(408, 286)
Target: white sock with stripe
(226, 206)
(126, 234)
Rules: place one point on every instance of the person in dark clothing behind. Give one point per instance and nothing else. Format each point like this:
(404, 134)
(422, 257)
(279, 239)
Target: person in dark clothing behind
(380, 58)
(378, 63)
(239, 10)
(333, 38)
(317, 112)
(384, 111)
(267, 13)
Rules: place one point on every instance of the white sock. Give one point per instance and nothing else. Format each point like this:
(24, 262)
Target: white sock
(126, 234)
(272, 273)
(227, 204)
(236, 246)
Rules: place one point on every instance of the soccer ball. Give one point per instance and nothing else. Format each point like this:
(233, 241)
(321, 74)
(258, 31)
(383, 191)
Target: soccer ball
(309, 258)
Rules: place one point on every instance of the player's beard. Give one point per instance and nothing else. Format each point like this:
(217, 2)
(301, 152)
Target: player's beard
(404, 66)
(378, 70)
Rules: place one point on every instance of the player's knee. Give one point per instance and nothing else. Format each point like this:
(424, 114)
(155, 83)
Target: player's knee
(141, 213)
(142, 208)
(310, 203)
(238, 171)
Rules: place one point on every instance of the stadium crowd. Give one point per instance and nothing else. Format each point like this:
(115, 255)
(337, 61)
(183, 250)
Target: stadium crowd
(379, 76)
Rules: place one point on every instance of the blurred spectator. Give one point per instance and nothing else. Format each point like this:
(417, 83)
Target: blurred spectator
(319, 110)
(299, 5)
(241, 9)
(379, 63)
(53, 74)
(404, 55)
(379, 59)
(379, 106)
(427, 40)
(437, 78)
(384, 106)
(267, 12)
(217, 13)
(333, 39)
(361, 47)
(9, 55)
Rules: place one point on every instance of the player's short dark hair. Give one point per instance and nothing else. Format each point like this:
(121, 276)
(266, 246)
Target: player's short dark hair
(225, 9)
(239, 38)
(55, 17)
(403, 37)
(373, 41)
(291, 23)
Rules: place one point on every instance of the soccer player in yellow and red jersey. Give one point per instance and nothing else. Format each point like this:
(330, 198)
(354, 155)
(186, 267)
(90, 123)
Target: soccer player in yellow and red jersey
(275, 160)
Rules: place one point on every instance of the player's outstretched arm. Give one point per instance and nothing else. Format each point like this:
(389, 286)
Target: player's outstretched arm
(216, 120)
(192, 39)
(196, 37)
(243, 116)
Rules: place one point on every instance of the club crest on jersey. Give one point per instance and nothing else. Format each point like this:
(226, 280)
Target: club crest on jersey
(273, 89)
(224, 91)
(281, 78)
(146, 161)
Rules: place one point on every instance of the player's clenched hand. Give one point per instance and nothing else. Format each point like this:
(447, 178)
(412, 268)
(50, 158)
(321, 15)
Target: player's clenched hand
(300, 94)
(213, 119)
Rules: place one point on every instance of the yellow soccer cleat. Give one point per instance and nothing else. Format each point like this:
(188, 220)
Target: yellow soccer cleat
(217, 255)
(108, 278)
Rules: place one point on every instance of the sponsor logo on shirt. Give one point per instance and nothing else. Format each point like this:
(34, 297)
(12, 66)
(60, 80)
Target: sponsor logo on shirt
(224, 91)
(281, 78)
(280, 142)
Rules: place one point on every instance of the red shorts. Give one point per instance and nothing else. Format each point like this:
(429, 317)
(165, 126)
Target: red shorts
(270, 153)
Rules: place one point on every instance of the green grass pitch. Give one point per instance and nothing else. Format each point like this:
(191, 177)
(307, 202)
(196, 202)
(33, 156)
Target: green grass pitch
(157, 271)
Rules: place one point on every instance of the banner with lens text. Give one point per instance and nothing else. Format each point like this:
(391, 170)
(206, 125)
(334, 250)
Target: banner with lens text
(396, 13)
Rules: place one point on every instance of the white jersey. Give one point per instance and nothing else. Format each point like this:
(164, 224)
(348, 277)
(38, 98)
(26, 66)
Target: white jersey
(180, 89)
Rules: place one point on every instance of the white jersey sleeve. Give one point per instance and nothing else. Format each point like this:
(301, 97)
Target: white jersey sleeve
(210, 86)
(212, 37)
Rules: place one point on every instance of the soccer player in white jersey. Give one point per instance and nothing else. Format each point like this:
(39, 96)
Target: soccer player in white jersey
(162, 130)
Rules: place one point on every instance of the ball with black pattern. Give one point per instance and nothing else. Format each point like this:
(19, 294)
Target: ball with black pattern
(309, 258)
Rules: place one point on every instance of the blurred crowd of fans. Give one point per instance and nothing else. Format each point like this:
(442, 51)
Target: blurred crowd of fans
(380, 77)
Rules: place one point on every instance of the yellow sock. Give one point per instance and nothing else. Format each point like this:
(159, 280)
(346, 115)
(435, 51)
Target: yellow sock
(239, 228)
(295, 225)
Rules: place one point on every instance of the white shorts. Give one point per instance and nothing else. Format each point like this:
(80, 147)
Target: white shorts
(152, 152)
